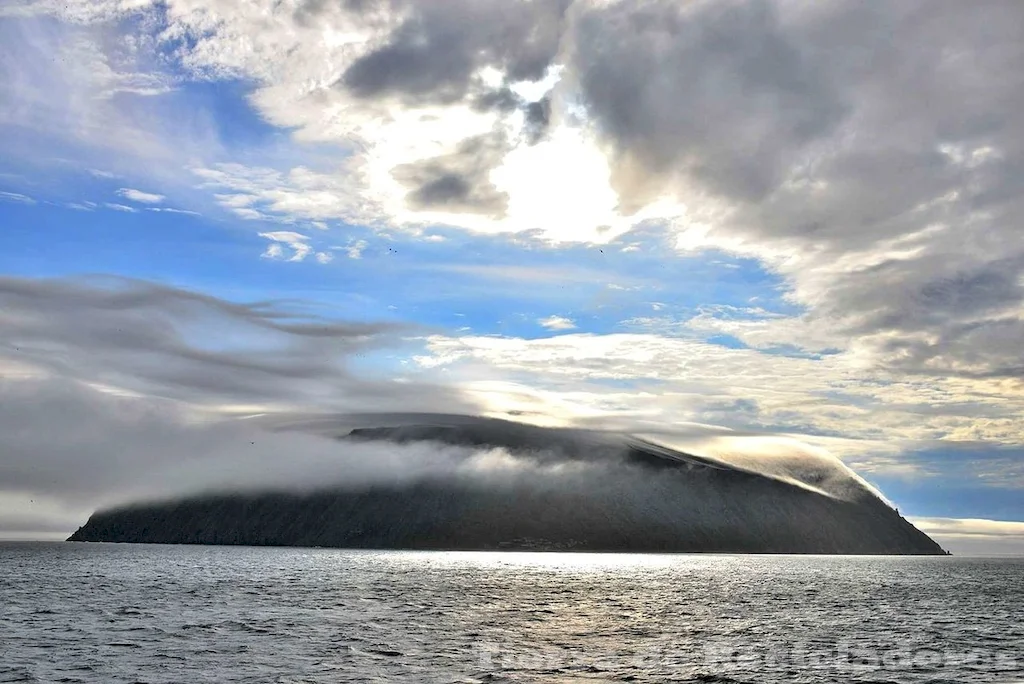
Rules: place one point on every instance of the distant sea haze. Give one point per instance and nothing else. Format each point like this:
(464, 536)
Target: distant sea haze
(121, 613)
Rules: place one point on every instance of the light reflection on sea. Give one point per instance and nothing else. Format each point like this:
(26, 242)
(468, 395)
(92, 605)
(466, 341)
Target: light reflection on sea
(140, 613)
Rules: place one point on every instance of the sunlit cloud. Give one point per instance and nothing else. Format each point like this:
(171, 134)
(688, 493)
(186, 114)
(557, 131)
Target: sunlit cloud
(120, 207)
(140, 196)
(557, 323)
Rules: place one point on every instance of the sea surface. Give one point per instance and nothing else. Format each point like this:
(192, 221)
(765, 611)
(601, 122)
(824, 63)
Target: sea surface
(140, 613)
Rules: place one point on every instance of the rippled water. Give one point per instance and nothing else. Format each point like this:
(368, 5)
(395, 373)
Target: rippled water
(123, 613)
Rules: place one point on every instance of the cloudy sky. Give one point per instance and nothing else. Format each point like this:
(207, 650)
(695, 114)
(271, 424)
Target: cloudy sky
(784, 217)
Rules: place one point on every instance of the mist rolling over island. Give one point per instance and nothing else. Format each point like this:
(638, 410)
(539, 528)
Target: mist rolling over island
(522, 487)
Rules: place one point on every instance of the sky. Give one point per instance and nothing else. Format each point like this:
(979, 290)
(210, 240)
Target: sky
(778, 217)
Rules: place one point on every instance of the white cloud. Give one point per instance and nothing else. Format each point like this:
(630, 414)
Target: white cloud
(120, 207)
(972, 536)
(660, 380)
(324, 257)
(970, 527)
(354, 250)
(140, 196)
(560, 275)
(758, 328)
(170, 210)
(557, 323)
(80, 12)
(297, 242)
(82, 206)
(273, 251)
(16, 197)
(260, 193)
(81, 96)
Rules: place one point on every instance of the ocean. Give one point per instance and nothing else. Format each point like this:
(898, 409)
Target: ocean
(143, 613)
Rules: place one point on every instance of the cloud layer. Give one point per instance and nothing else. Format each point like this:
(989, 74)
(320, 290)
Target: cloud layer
(869, 158)
(974, 536)
(856, 150)
(155, 340)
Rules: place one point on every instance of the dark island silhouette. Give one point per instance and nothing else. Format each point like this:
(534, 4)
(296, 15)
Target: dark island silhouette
(557, 490)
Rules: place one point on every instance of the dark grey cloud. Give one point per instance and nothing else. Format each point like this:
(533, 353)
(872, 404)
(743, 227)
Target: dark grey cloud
(500, 99)
(879, 143)
(538, 117)
(536, 113)
(435, 53)
(719, 92)
(915, 298)
(938, 313)
(173, 343)
(458, 181)
(984, 349)
(743, 96)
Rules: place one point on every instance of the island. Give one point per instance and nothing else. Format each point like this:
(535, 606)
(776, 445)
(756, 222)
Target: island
(554, 490)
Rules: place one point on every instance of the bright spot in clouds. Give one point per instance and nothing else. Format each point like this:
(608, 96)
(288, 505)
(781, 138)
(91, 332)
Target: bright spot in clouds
(139, 196)
(557, 323)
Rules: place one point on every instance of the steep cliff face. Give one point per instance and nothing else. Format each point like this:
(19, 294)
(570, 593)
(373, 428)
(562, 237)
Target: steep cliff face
(555, 490)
